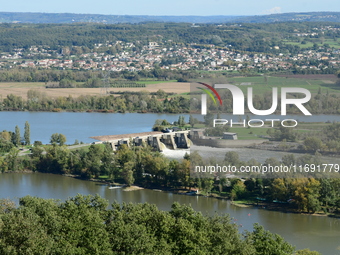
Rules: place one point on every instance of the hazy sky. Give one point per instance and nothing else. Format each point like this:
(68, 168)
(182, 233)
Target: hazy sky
(170, 7)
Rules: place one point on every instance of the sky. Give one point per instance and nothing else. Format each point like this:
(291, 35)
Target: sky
(170, 7)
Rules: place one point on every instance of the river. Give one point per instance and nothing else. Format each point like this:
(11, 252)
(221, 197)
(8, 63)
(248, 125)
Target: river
(83, 125)
(303, 231)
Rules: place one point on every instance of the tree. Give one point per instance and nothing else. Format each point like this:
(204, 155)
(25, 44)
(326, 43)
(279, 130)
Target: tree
(128, 173)
(232, 158)
(209, 119)
(238, 190)
(27, 134)
(313, 143)
(93, 160)
(12, 159)
(192, 121)
(306, 193)
(16, 140)
(207, 185)
(37, 152)
(5, 135)
(85, 225)
(62, 139)
(107, 161)
(58, 139)
(181, 121)
(267, 243)
(54, 138)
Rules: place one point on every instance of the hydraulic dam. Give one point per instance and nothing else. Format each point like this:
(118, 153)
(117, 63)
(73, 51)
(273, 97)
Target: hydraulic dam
(157, 140)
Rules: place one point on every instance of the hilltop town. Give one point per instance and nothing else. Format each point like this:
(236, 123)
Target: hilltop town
(136, 56)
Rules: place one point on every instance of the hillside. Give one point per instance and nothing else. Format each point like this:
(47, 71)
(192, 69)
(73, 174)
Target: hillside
(26, 17)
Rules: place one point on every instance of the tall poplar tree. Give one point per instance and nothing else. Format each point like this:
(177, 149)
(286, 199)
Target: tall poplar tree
(27, 134)
(17, 136)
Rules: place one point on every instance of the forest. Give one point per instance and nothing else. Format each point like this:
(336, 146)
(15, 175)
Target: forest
(85, 225)
(243, 37)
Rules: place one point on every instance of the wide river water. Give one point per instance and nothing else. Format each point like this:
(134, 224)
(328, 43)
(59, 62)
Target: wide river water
(82, 125)
(303, 231)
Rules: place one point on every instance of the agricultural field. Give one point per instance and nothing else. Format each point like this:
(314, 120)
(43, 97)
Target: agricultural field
(261, 84)
(21, 89)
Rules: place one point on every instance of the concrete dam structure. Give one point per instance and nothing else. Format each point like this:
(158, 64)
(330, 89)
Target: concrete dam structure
(157, 140)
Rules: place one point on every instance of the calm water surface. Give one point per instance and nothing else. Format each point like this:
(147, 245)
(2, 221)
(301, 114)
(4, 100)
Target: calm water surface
(82, 125)
(316, 233)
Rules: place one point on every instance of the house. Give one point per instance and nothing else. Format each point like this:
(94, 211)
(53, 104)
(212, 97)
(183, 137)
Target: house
(229, 136)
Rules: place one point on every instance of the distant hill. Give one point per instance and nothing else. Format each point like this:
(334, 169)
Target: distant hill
(27, 17)
(295, 17)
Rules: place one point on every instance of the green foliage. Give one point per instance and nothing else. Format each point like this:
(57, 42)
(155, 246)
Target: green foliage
(5, 145)
(27, 134)
(313, 143)
(216, 131)
(209, 119)
(84, 225)
(307, 252)
(192, 121)
(132, 102)
(57, 138)
(12, 160)
(181, 121)
(282, 133)
(148, 168)
(16, 136)
(238, 190)
(266, 243)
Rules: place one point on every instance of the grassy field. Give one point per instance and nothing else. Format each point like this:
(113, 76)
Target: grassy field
(309, 44)
(249, 133)
(261, 84)
(256, 133)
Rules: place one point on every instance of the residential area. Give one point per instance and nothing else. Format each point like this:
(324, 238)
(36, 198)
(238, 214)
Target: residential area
(127, 56)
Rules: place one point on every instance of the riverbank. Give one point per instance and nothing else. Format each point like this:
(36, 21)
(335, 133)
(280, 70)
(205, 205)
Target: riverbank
(243, 204)
(285, 208)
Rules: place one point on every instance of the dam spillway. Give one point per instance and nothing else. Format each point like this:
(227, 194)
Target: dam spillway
(172, 140)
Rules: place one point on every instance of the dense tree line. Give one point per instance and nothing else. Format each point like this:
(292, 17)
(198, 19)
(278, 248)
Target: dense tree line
(127, 102)
(245, 37)
(306, 192)
(9, 139)
(148, 168)
(142, 101)
(85, 225)
(92, 79)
